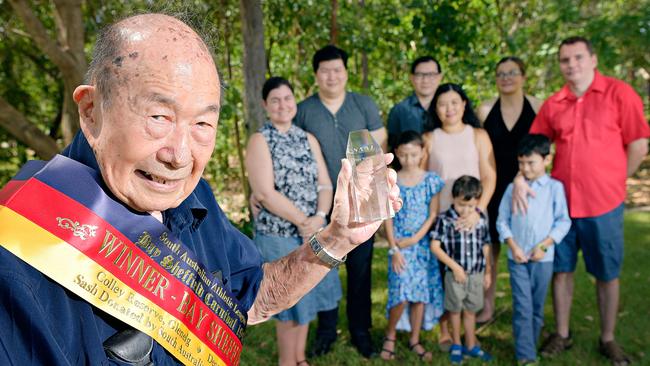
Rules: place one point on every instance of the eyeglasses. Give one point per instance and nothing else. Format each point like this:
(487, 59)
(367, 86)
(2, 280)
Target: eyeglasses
(425, 75)
(511, 73)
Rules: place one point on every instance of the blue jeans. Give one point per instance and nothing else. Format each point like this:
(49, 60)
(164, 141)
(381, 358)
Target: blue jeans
(529, 283)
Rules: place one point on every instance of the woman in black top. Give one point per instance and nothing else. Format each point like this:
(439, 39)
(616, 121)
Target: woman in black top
(506, 119)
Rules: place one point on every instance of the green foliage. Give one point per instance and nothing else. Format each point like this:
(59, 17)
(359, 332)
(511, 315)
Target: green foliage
(467, 36)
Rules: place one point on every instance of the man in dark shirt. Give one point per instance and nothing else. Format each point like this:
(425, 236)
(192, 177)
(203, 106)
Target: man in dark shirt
(330, 115)
(412, 112)
(148, 116)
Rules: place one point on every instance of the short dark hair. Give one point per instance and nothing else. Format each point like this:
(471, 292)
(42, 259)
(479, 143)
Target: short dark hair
(274, 82)
(520, 63)
(467, 187)
(534, 143)
(327, 53)
(409, 137)
(423, 59)
(577, 39)
(469, 117)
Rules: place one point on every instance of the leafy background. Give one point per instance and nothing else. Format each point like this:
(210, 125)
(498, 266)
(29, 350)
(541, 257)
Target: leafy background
(467, 36)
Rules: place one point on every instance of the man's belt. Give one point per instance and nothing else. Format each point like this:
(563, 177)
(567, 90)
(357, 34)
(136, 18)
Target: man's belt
(56, 217)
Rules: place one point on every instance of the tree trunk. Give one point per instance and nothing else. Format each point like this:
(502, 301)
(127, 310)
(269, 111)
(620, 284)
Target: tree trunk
(254, 62)
(364, 55)
(66, 52)
(334, 31)
(26, 132)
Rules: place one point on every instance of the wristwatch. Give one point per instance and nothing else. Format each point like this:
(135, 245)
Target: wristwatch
(393, 250)
(322, 254)
(542, 248)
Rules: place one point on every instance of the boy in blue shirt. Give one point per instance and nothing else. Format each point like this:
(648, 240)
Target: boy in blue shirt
(531, 238)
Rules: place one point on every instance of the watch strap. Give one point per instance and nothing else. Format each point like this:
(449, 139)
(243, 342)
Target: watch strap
(322, 254)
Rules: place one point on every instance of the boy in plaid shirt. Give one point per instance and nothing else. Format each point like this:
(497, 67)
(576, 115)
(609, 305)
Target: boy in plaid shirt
(467, 272)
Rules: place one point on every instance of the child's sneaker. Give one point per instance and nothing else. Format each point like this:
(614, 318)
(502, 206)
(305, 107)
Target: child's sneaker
(456, 354)
(477, 352)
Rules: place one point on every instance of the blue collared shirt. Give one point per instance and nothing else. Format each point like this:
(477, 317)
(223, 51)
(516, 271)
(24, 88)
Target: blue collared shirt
(42, 323)
(547, 216)
(407, 115)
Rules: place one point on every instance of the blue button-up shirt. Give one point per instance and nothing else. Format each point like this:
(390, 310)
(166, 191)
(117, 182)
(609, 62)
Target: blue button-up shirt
(42, 323)
(407, 115)
(547, 216)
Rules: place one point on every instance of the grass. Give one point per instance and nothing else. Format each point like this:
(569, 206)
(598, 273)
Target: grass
(633, 329)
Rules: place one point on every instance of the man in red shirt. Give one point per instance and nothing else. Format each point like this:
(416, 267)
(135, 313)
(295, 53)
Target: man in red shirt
(601, 138)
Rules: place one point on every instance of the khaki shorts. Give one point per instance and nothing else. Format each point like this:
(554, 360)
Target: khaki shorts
(467, 296)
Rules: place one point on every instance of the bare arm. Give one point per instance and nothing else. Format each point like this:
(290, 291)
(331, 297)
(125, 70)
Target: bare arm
(459, 273)
(487, 276)
(325, 193)
(390, 233)
(426, 226)
(315, 222)
(436, 248)
(636, 152)
(426, 137)
(260, 176)
(288, 279)
(487, 167)
(484, 109)
(381, 137)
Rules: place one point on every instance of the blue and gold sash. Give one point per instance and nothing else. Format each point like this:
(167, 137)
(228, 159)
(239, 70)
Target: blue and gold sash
(56, 217)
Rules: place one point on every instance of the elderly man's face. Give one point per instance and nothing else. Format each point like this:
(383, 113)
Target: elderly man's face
(157, 133)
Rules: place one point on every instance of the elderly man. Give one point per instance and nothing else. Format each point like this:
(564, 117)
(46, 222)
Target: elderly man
(412, 112)
(601, 137)
(122, 232)
(330, 115)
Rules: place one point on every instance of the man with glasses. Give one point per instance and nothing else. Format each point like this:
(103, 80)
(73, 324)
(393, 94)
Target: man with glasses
(411, 113)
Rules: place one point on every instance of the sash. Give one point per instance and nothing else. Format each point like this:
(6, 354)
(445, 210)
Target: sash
(56, 217)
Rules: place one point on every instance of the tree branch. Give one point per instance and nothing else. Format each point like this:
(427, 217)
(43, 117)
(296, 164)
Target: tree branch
(39, 34)
(26, 132)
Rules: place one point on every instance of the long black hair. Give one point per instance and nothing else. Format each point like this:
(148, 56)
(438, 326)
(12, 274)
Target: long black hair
(469, 117)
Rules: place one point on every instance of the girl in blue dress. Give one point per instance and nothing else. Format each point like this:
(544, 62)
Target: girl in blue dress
(415, 295)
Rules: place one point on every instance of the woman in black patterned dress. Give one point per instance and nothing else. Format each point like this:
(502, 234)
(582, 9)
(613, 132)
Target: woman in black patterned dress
(289, 178)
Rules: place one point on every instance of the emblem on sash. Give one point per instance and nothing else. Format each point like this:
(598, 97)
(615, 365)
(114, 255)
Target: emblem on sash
(82, 231)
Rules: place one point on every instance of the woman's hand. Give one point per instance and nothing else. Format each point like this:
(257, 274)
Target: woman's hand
(469, 222)
(311, 225)
(487, 279)
(520, 192)
(255, 205)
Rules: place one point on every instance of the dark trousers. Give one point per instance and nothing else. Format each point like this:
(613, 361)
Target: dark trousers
(358, 266)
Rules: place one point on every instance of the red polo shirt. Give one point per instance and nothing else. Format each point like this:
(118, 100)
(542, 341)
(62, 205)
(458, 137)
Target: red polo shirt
(591, 134)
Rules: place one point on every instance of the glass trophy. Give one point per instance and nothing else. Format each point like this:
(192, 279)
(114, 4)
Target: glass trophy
(369, 188)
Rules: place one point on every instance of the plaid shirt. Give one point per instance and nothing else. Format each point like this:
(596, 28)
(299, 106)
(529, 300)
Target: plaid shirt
(464, 247)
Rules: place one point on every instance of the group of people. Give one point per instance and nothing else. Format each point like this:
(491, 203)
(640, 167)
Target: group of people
(469, 180)
(116, 252)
